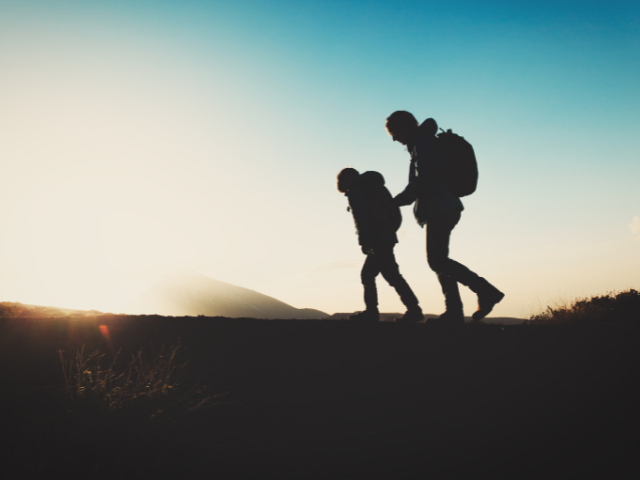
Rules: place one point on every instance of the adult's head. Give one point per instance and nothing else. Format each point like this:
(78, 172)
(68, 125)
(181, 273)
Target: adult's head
(401, 125)
(346, 178)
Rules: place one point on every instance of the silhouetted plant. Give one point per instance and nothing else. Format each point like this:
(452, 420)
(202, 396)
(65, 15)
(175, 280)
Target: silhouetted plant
(148, 385)
(622, 307)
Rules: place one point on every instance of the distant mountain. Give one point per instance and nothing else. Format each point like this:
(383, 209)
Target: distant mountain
(193, 294)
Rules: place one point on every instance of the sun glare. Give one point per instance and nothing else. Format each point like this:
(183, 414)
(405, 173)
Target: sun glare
(73, 240)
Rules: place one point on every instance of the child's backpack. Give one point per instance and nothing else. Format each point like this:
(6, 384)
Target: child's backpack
(385, 214)
(459, 169)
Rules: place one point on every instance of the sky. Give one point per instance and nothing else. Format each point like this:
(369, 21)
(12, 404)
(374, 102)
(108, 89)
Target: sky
(138, 138)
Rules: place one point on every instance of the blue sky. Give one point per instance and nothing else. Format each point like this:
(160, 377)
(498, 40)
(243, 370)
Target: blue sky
(144, 136)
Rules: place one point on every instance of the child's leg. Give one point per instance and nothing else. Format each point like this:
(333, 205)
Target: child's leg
(370, 271)
(388, 266)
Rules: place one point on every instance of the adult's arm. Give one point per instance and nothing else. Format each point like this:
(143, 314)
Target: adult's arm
(409, 194)
(422, 179)
(428, 164)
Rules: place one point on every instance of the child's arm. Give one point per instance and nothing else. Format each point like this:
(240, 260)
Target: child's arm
(361, 216)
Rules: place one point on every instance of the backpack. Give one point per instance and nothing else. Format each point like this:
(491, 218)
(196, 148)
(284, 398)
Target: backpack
(459, 169)
(385, 214)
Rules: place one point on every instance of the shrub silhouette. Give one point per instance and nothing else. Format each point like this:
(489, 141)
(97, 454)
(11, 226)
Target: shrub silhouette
(622, 307)
(149, 387)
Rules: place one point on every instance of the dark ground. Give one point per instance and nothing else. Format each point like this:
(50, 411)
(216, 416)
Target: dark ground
(332, 399)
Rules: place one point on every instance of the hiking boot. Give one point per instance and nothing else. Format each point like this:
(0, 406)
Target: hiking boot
(449, 317)
(411, 316)
(365, 316)
(488, 297)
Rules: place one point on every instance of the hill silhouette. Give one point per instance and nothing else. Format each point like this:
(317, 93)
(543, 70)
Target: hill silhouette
(192, 294)
(21, 310)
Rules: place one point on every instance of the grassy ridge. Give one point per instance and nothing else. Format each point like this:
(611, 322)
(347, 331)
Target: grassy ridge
(613, 307)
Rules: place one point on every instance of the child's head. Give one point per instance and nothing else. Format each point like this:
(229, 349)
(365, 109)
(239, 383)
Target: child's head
(346, 178)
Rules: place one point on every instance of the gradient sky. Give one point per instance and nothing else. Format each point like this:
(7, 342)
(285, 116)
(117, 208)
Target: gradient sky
(139, 137)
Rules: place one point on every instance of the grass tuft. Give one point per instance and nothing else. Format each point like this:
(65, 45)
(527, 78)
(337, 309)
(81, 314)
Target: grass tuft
(613, 307)
(150, 387)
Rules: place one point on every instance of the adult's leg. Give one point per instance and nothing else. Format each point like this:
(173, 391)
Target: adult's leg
(450, 272)
(447, 270)
(388, 266)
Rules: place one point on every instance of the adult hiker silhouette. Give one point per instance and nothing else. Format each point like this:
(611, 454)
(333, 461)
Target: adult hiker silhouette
(437, 208)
